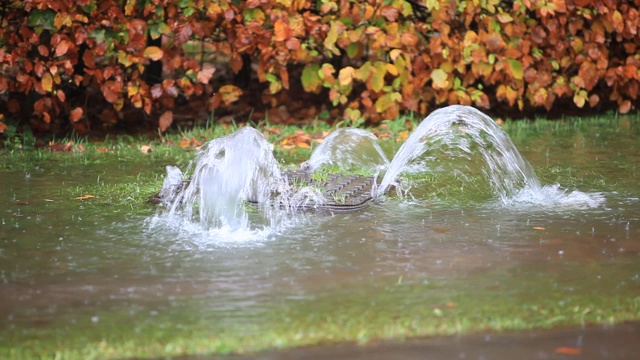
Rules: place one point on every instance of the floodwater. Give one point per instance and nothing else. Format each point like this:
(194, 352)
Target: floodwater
(81, 274)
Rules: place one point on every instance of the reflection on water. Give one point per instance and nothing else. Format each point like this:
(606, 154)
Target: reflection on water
(81, 272)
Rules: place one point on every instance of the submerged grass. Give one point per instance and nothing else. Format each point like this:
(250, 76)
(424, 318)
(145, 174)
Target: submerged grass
(361, 314)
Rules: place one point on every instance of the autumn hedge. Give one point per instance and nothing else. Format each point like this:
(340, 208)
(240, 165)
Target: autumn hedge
(375, 59)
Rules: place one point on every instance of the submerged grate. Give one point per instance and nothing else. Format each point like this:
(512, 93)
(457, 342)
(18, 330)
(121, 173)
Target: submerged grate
(341, 192)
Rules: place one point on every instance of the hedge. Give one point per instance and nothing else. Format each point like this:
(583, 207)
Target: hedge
(371, 59)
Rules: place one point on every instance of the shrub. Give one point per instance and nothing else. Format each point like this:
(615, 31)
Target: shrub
(63, 60)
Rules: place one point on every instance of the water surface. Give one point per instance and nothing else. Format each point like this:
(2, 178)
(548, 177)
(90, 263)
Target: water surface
(89, 278)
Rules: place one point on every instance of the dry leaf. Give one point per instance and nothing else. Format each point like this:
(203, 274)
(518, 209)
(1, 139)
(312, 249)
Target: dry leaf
(146, 149)
(85, 197)
(539, 228)
(566, 350)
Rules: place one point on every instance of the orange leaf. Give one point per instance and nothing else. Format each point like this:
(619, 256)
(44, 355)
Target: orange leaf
(303, 145)
(566, 350)
(345, 75)
(61, 95)
(85, 197)
(625, 107)
(281, 30)
(75, 114)
(165, 120)
(62, 47)
(539, 228)
(3, 127)
(47, 82)
(153, 53)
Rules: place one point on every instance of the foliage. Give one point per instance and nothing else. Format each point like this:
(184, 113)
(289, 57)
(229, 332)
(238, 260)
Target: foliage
(373, 59)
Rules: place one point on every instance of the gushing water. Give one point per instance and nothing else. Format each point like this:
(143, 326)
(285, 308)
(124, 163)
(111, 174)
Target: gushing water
(459, 131)
(225, 174)
(231, 171)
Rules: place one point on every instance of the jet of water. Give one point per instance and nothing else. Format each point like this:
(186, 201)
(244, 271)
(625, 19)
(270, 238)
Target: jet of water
(465, 130)
(348, 149)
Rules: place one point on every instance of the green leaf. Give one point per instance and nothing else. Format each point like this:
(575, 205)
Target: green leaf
(377, 76)
(311, 82)
(516, 69)
(387, 100)
(42, 19)
(353, 49)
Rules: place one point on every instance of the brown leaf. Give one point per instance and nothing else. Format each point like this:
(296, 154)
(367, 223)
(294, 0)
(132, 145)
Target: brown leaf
(3, 127)
(146, 149)
(75, 114)
(165, 120)
(566, 350)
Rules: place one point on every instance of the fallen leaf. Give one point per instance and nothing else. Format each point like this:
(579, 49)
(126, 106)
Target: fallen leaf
(566, 350)
(539, 228)
(3, 127)
(146, 149)
(402, 136)
(85, 197)
(101, 150)
(303, 145)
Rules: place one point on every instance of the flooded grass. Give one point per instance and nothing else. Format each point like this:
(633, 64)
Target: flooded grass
(85, 278)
